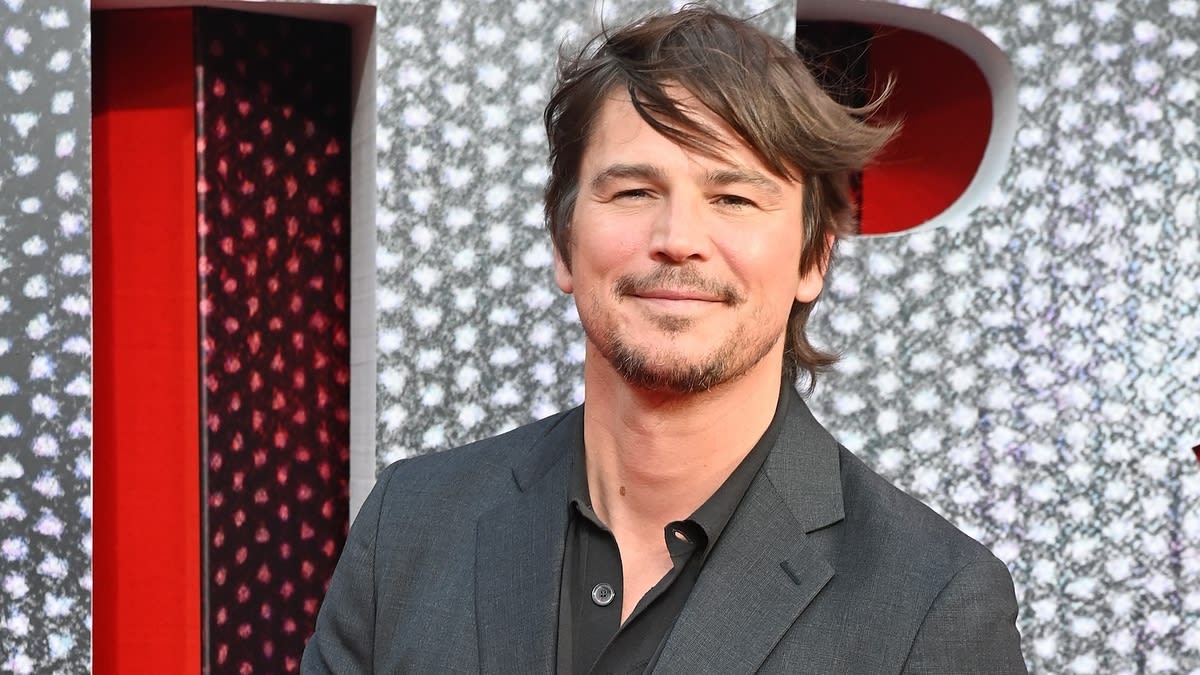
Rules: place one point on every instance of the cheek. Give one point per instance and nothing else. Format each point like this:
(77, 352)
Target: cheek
(608, 250)
(771, 263)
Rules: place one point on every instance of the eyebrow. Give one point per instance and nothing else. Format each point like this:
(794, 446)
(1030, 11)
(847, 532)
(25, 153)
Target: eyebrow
(716, 177)
(724, 177)
(623, 171)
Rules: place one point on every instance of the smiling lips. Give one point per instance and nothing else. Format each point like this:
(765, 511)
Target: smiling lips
(682, 294)
(675, 287)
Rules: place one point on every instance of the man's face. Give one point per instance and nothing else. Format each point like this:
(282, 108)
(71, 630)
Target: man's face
(684, 267)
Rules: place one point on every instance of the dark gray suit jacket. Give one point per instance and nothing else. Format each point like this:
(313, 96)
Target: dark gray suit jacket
(453, 566)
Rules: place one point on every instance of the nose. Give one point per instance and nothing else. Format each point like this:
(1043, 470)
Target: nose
(681, 232)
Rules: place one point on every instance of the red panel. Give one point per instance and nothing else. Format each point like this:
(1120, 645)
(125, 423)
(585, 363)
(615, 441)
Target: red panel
(946, 106)
(146, 548)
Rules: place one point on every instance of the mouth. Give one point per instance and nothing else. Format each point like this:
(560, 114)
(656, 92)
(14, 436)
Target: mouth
(677, 295)
(677, 287)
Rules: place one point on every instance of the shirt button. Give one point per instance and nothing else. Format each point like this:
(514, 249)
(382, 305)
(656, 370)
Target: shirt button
(602, 594)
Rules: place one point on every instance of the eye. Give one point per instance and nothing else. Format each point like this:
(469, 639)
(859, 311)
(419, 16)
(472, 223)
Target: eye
(635, 193)
(735, 201)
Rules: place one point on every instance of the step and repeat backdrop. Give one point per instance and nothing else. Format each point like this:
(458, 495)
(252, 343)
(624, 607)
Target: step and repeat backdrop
(1030, 369)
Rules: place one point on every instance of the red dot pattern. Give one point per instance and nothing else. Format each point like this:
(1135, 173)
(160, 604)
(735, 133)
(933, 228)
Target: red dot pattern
(273, 223)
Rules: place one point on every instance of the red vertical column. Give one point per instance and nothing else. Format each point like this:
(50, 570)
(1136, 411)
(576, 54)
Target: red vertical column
(274, 265)
(146, 495)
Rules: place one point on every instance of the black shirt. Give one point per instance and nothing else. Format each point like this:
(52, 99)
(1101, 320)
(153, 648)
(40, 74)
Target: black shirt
(591, 638)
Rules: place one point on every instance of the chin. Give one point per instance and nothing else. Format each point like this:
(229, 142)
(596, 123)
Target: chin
(671, 373)
(676, 358)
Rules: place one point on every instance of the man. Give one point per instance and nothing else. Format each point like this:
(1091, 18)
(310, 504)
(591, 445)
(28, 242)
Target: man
(692, 515)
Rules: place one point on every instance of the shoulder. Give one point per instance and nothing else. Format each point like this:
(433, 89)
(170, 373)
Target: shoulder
(900, 531)
(474, 474)
(949, 599)
(913, 575)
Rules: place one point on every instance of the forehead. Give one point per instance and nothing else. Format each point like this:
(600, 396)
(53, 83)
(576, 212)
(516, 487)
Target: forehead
(621, 133)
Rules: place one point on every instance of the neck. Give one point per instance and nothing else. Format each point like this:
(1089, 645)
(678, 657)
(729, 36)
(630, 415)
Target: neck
(654, 457)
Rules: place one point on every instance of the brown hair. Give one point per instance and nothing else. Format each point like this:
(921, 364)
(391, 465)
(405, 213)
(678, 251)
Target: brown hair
(754, 82)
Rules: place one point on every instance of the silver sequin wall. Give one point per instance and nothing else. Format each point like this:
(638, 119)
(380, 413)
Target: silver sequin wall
(1031, 371)
(45, 337)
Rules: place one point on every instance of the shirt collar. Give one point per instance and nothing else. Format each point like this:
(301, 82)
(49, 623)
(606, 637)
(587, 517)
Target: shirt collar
(714, 514)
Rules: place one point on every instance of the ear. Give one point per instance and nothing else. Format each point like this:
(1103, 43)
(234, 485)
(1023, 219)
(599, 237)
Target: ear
(813, 281)
(562, 274)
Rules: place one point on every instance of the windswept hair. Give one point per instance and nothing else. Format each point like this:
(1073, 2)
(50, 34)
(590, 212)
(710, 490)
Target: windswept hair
(754, 82)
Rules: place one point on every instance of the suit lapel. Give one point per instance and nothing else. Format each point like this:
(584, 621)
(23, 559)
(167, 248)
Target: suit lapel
(765, 570)
(519, 557)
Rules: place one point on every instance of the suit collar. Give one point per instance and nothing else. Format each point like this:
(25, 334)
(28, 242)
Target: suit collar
(519, 554)
(805, 469)
(548, 453)
(763, 573)
(765, 570)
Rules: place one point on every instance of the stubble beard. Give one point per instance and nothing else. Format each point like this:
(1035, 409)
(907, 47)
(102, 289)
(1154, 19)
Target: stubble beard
(664, 369)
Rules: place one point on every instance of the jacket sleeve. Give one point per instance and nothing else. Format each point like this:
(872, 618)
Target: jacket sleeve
(971, 625)
(344, 641)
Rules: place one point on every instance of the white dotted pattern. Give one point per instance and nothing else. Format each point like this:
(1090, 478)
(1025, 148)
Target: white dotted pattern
(45, 338)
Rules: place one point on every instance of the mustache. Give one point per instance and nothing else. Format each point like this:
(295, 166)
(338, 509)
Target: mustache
(679, 279)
